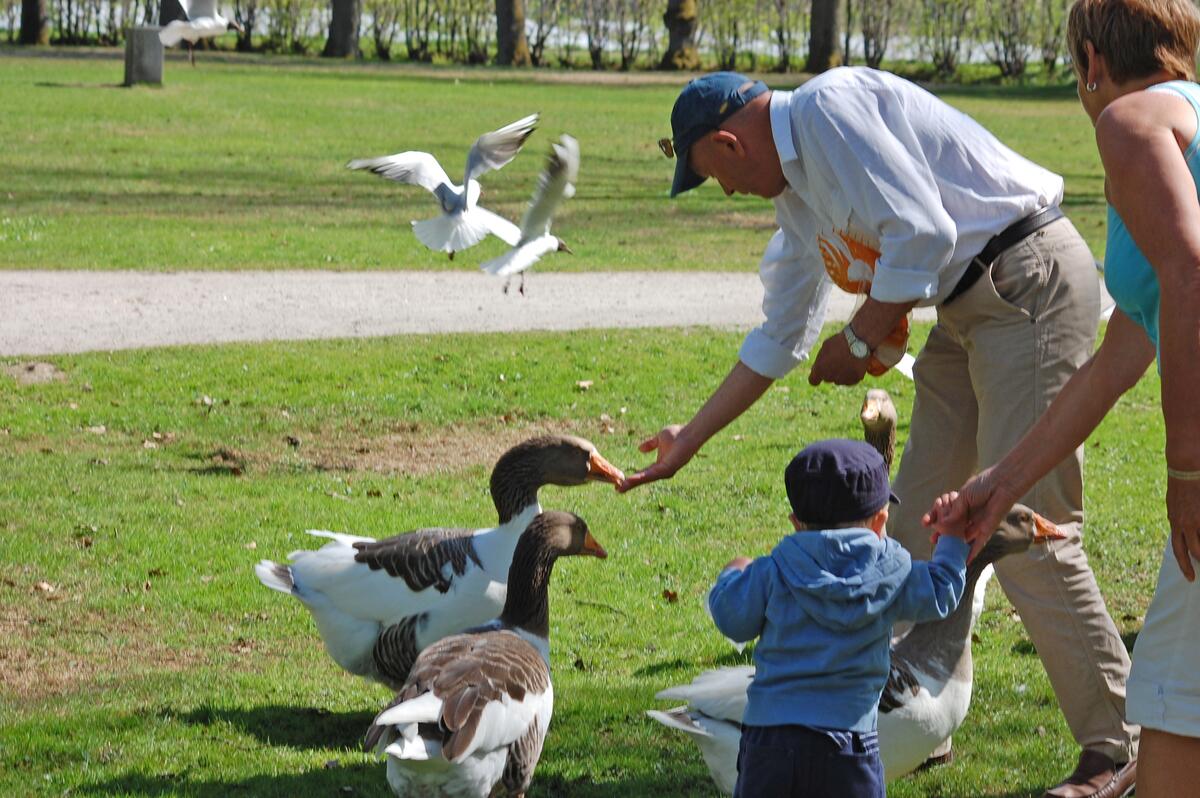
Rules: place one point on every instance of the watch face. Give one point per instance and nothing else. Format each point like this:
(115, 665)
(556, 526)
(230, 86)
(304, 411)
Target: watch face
(859, 349)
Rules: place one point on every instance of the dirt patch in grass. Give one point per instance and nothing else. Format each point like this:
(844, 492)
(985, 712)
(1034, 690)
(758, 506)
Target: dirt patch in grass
(416, 450)
(34, 373)
(50, 648)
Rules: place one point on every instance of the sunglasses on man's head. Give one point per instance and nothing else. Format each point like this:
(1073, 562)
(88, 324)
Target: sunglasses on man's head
(668, 149)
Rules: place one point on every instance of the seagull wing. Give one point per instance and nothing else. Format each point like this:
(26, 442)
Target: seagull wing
(556, 183)
(498, 226)
(417, 168)
(495, 149)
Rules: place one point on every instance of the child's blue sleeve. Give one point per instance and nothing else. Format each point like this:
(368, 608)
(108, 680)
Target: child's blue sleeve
(738, 601)
(934, 588)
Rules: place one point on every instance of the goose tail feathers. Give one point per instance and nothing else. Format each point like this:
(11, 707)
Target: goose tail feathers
(275, 576)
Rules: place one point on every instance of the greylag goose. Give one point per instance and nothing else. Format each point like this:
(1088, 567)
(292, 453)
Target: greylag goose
(463, 222)
(926, 696)
(203, 22)
(472, 716)
(879, 416)
(378, 603)
(556, 183)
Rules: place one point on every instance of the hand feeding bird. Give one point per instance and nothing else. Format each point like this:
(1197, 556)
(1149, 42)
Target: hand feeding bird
(377, 604)
(463, 222)
(556, 183)
(203, 22)
(928, 689)
(471, 718)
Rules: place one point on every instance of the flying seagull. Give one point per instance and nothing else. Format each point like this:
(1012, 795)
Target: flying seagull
(556, 183)
(463, 222)
(203, 22)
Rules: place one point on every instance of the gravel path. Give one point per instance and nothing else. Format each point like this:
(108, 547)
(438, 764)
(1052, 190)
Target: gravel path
(61, 312)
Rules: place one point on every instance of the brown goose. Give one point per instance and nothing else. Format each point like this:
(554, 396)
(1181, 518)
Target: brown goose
(378, 603)
(472, 716)
(878, 416)
(924, 701)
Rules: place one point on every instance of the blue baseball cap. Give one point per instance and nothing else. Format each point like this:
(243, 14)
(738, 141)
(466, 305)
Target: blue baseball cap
(835, 481)
(701, 107)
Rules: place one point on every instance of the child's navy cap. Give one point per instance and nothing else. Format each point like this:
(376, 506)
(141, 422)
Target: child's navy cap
(835, 481)
(702, 106)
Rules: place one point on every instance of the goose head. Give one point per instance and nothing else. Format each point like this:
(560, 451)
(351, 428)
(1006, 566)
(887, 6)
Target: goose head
(1020, 529)
(234, 25)
(563, 460)
(562, 247)
(879, 416)
(550, 535)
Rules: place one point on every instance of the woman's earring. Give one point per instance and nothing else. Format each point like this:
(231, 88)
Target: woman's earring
(1091, 87)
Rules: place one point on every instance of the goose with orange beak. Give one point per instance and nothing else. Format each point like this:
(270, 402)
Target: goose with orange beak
(928, 689)
(378, 603)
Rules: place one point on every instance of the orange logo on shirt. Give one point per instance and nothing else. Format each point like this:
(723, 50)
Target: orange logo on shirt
(850, 263)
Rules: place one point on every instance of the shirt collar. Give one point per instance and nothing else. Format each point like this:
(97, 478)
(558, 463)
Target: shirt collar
(781, 126)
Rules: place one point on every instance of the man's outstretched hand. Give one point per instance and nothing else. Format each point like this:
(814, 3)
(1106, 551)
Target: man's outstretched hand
(674, 452)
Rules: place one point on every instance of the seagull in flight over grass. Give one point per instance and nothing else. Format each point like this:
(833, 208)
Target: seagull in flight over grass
(463, 222)
(556, 183)
(203, 22)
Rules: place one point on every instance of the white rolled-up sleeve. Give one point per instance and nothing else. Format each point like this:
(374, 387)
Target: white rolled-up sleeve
(868, 147)
(795, 294)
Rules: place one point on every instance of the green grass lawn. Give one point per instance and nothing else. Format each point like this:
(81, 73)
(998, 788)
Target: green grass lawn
(239, 164)
(140, 656)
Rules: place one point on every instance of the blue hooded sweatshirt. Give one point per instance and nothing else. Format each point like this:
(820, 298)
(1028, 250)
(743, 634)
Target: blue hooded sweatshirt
(822, 604)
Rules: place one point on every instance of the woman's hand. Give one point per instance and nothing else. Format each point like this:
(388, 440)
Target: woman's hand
(674, 452)
(977, 507)
(1183, 512)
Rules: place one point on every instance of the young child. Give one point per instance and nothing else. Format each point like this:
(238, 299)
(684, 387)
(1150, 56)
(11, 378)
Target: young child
(823, 603)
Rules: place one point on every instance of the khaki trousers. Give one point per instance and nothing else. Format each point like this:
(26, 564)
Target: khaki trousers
(996, 358)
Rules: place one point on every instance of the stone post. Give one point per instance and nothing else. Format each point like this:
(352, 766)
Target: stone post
(143, 55)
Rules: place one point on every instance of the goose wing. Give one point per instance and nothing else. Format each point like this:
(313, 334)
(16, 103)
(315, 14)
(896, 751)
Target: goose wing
(423, 559)
(556, 183)
(902, 684)
(412, 167)
(487, 688)
(493, 150)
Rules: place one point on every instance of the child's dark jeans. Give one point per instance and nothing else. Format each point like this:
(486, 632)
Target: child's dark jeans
(800, 761)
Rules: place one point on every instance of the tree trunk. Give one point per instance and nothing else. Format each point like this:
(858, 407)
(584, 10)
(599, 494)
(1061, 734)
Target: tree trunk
(512, 46)
(343, 30)
(823, 36)
(35, 22)
(680, 19)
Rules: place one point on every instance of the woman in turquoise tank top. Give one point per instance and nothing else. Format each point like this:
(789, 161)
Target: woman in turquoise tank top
(1135, 61)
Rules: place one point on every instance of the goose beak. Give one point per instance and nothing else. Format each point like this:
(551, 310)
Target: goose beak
(1044, 531)
(870, 411)
(592, 547)
(601, 470)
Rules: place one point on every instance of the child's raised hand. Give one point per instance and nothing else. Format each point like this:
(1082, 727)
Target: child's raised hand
(947, 516)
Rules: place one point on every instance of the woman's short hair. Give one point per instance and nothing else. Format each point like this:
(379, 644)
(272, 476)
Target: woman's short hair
(1136, 37)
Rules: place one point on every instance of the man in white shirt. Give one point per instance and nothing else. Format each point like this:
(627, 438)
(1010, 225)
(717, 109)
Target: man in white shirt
(885, 190)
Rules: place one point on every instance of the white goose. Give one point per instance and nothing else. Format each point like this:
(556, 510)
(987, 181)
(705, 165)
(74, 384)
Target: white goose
(556, 183)
(928, 689)
(377, 604)
(463, 223)
(473, 714)
(203, 22)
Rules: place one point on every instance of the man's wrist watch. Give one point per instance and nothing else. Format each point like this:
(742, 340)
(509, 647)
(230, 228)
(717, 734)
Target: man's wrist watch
(859, 348)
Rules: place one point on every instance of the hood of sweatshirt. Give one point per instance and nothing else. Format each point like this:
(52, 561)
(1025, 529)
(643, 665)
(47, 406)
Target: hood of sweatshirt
(842, 578)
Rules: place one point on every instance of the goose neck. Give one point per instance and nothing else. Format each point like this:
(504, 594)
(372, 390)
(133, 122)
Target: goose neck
(527, 605)
(514, 484)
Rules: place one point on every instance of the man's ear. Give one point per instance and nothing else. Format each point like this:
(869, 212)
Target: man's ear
(728, 141)
(1096, 67)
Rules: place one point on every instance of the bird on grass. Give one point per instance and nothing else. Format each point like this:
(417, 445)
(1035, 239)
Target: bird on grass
(203, 22)
(470, 720)
(378, 603)
(556, 183)
(463, 223)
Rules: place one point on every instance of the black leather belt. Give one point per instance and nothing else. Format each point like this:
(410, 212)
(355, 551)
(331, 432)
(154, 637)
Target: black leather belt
(1013, 234)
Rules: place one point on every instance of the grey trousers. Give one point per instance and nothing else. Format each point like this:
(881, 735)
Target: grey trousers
(997, 357)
